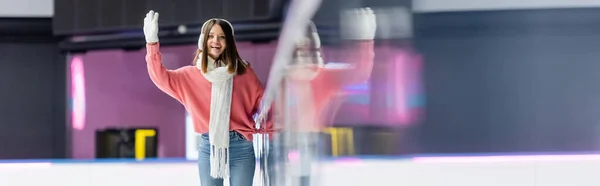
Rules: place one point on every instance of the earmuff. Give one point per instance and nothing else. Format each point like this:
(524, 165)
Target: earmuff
(317, 43)
(200, 39)
(313, 36)
(314, 39)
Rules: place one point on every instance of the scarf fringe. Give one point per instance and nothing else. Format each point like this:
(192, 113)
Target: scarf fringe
(219, 162)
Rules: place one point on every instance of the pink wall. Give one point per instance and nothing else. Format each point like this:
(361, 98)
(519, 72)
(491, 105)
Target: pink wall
(119, 93)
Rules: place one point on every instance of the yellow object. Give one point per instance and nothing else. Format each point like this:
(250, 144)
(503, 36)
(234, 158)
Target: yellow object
(342, 140)
(140, 142)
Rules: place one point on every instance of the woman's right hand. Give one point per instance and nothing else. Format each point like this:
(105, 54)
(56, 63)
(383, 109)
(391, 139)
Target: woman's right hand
(358, 24)
(151, 27)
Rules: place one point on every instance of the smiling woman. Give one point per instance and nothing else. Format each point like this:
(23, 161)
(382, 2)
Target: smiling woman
(218, 39)
(221, 114)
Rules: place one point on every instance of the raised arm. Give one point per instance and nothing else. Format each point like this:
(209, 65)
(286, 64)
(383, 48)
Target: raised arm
(358, 30)
(169, 81)
(359, 55)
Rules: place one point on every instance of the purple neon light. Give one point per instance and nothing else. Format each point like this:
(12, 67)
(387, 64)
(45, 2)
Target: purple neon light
(77, 94)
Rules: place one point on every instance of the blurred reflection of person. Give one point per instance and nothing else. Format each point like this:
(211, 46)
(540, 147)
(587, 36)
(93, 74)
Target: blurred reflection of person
(310, 85)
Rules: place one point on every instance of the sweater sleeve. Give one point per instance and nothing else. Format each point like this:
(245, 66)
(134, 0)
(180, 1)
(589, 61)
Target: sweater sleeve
(169, 81)
(360, 55)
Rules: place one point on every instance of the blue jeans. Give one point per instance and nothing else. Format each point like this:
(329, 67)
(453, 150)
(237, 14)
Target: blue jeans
(242, 162)
(310, 146)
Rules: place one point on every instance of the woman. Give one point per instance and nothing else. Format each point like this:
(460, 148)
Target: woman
(312, 88)
(221, 92)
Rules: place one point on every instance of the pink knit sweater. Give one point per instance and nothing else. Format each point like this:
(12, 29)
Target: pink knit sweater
(327, 85)
(190, 88)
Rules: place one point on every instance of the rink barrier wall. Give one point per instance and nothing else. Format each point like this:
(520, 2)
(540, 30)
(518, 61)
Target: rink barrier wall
(558, 169)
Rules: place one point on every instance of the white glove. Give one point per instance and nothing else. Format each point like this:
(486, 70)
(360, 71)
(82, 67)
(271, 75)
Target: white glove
(358, 24)
(151, 27)
(261, 120)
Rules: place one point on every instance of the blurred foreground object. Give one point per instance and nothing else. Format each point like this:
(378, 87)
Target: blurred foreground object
(273, 163)
(305, 102)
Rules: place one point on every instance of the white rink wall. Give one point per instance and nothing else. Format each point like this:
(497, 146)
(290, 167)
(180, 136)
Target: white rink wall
(578, 170)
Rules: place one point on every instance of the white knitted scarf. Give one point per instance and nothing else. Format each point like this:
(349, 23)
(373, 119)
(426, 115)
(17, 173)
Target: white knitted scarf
(220, 109)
